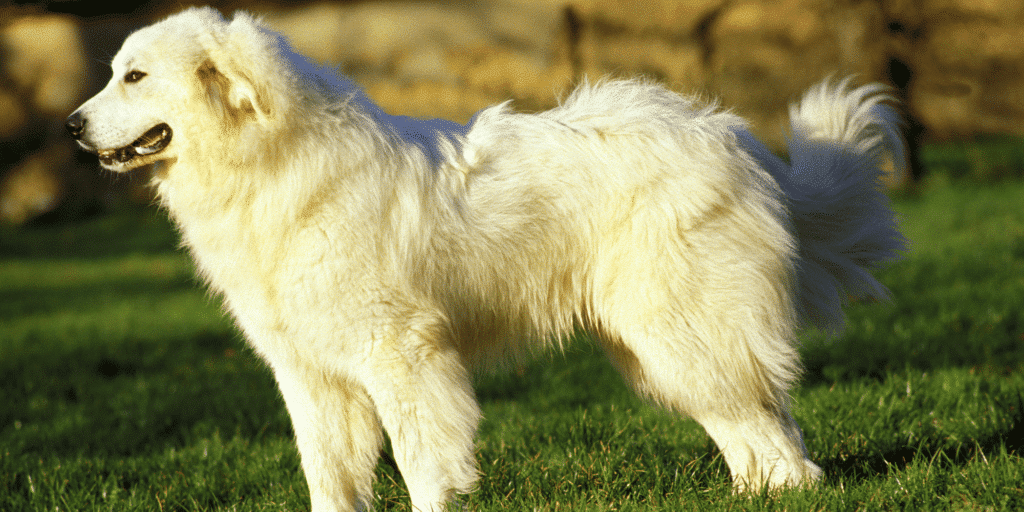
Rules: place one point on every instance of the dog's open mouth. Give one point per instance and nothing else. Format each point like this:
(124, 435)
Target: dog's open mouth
(150, 143)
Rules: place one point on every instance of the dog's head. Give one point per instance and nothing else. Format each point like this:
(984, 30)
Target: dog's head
(189, 85)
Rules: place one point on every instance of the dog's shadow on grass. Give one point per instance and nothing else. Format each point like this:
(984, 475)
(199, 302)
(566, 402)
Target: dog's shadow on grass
(876, 360)
(857, 468)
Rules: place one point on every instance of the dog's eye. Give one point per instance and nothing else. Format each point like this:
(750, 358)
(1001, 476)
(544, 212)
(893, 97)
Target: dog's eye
(133, 76)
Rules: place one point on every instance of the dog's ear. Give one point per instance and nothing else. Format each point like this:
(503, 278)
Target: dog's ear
(241, 71)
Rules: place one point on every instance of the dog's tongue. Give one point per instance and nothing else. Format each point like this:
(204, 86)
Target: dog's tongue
(152, 141)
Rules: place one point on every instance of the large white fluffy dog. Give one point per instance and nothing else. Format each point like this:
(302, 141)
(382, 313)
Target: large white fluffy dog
(374, 260)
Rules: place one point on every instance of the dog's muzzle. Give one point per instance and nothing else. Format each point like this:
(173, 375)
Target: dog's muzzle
(153, 141)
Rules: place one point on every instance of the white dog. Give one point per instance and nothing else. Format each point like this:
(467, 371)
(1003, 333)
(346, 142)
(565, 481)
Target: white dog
(374, 260)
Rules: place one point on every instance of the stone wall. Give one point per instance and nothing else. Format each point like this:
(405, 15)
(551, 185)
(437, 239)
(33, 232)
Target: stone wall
(957, 64)
(39, 83)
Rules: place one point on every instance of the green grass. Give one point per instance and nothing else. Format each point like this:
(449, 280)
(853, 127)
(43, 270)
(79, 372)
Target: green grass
(985, 159)
(124, 388)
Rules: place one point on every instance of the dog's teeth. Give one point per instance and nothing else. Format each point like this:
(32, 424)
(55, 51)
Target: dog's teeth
(126, 154)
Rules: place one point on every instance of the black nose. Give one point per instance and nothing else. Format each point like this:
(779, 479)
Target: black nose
(75, 125)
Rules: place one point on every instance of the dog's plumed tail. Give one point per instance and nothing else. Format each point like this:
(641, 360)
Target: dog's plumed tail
(840, 214)
(844, 224)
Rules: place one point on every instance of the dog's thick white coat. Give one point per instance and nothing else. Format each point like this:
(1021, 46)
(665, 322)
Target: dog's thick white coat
(374, 260)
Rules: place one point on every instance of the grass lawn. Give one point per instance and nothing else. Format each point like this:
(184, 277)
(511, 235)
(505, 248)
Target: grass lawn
(124, 388)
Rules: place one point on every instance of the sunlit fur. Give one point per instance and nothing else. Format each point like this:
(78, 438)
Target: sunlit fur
(373, 261)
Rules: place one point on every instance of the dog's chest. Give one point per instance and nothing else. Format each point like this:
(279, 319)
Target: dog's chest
(271, 280)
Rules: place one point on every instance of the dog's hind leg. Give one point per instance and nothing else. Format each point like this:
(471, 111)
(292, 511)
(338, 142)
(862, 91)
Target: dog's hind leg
(337, 432)
(697, 313)
(728, 393)
(425, 400)
(762, 447)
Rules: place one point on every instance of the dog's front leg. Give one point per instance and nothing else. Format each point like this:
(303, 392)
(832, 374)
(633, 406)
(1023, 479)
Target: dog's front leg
(425, 400)
(337, 432)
